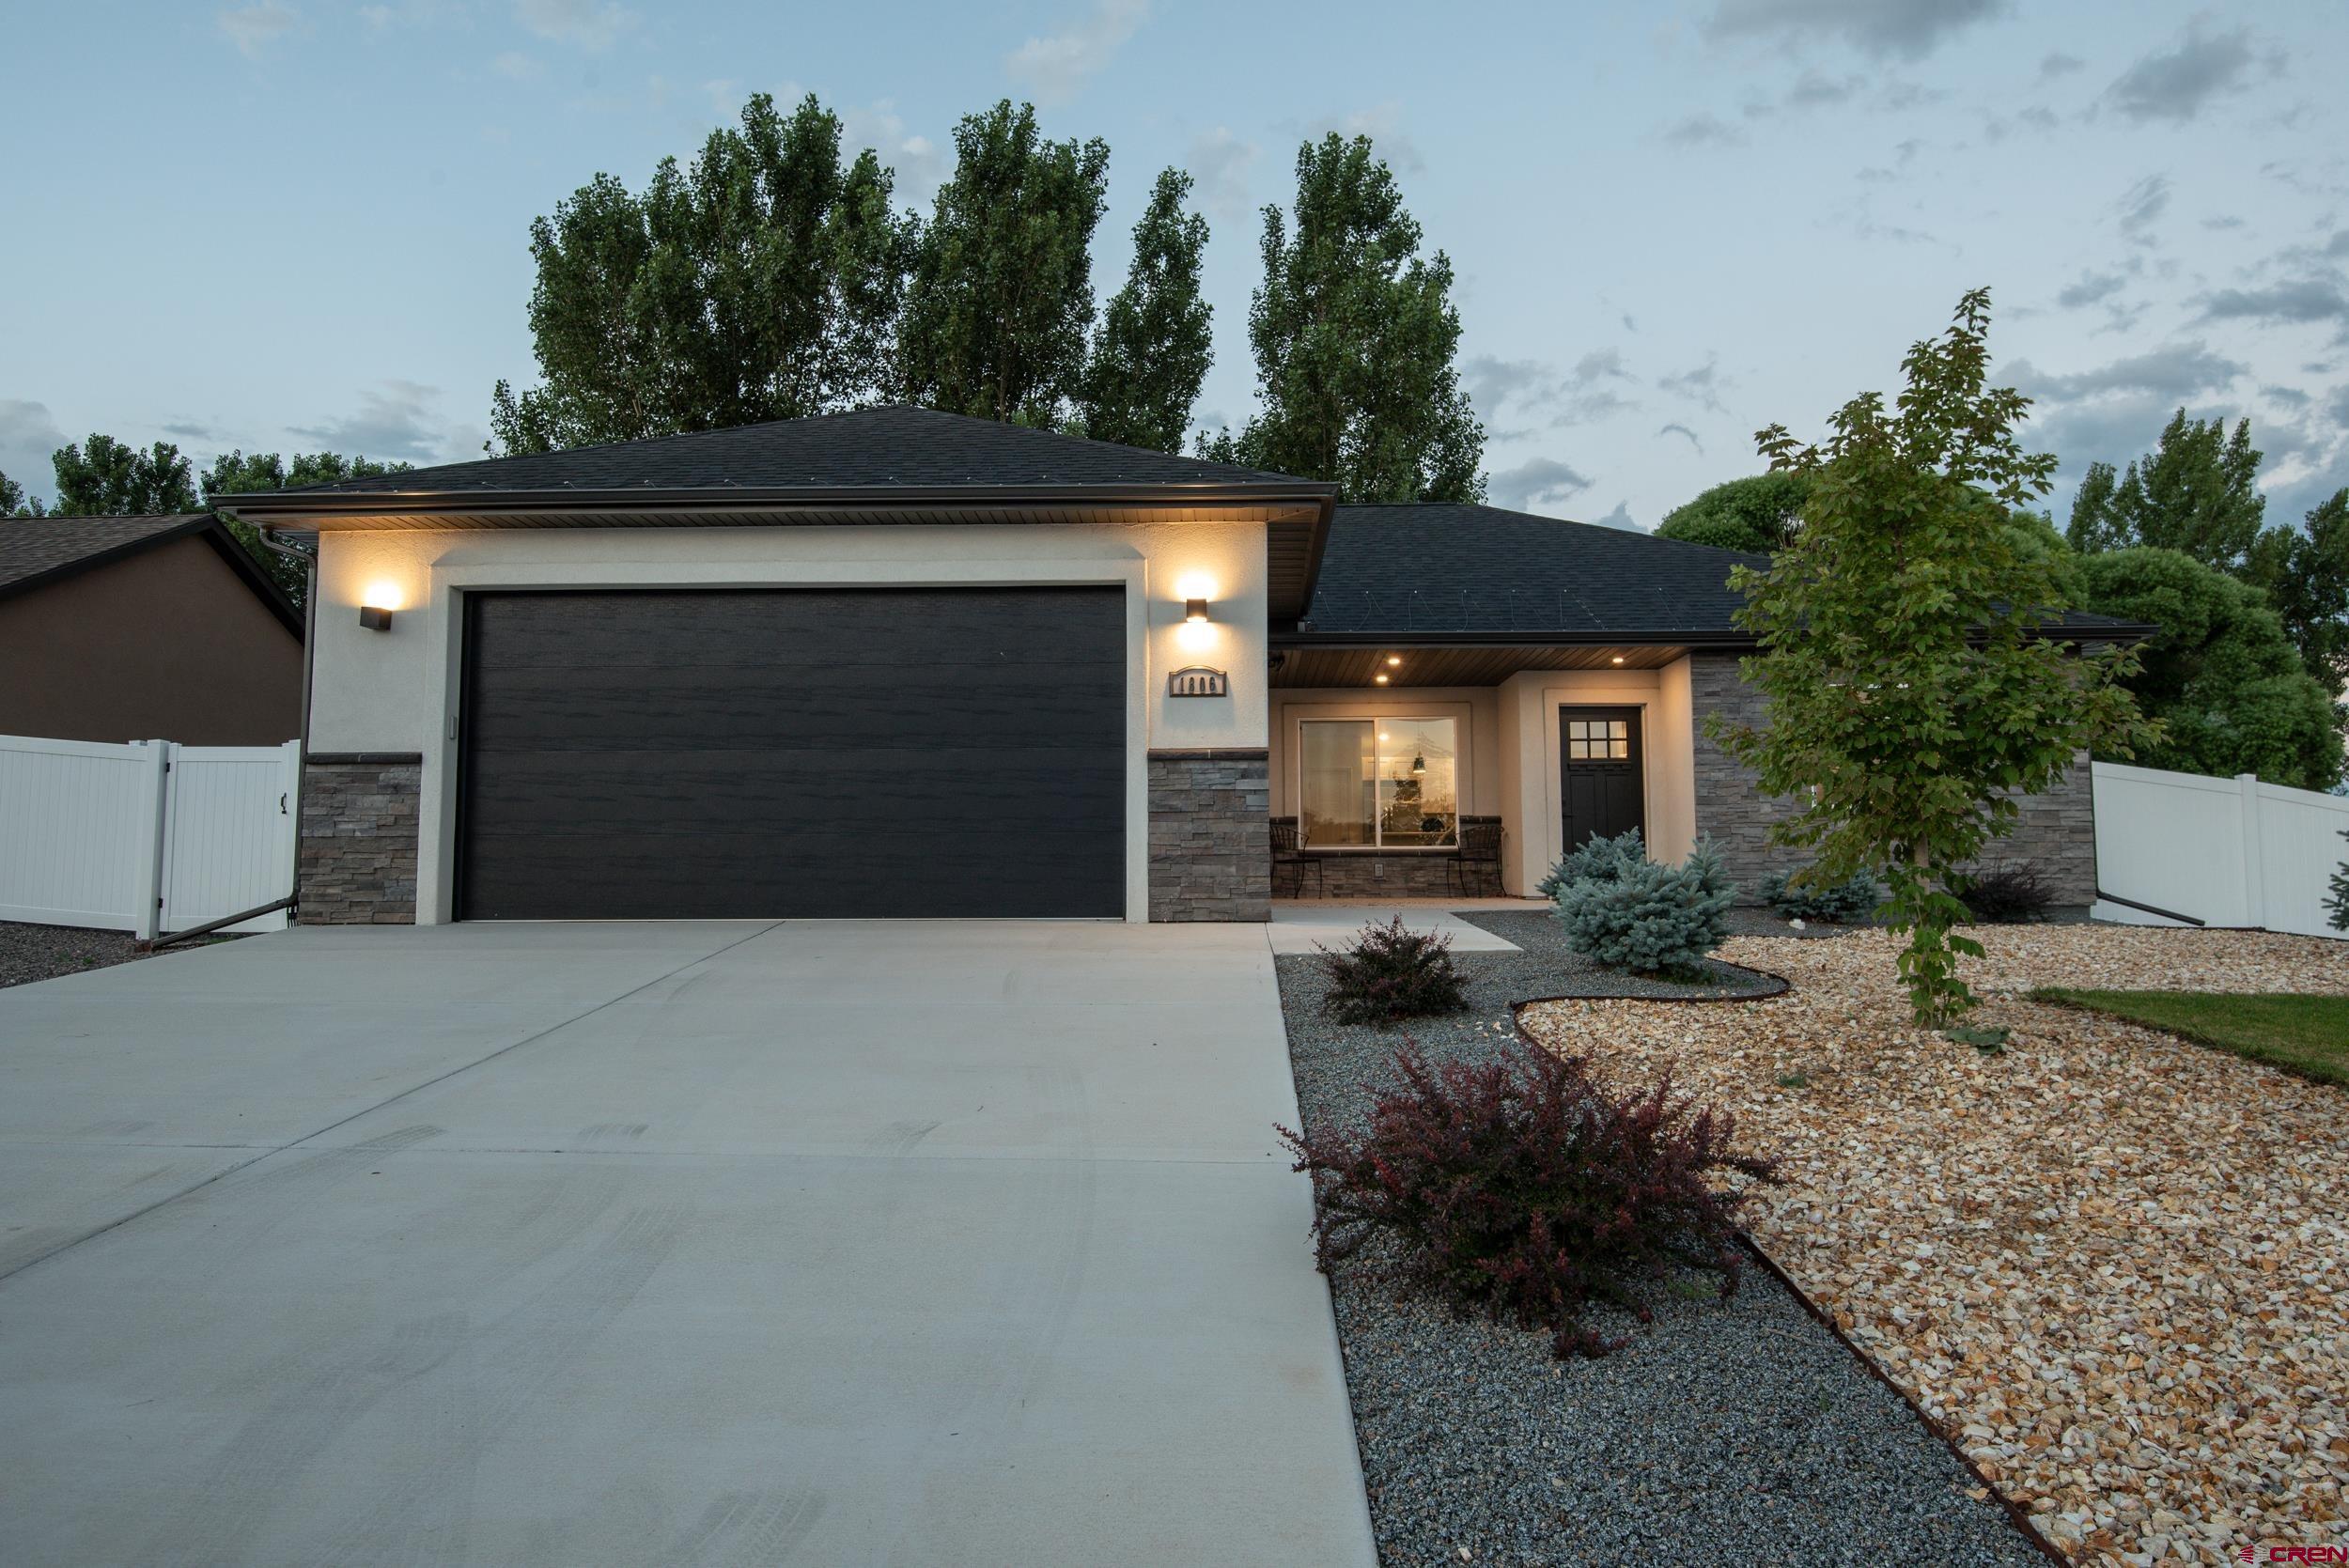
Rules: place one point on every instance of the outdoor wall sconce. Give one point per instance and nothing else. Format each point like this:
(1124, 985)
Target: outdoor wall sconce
(1195, 610)
(376, 604)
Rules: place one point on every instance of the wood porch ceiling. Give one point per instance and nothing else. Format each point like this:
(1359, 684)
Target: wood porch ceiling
(1470, 666)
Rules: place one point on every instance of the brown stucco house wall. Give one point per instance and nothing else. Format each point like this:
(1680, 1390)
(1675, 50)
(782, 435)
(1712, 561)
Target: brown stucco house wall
(168, 641)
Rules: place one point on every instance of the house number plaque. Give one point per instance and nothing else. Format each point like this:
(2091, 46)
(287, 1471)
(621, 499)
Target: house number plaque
(1197, 680)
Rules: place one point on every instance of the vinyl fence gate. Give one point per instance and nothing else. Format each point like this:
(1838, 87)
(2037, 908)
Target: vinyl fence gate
(146, 837)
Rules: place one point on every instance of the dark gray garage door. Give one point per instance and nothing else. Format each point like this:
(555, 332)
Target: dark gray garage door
(805, 753)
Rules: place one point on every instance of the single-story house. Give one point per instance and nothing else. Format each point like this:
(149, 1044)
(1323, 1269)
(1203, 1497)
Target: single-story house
(902, 663)
(144, 628)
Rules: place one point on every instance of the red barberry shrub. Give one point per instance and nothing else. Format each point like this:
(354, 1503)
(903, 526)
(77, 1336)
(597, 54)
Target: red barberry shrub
(1524, 1187)
(1392, 972)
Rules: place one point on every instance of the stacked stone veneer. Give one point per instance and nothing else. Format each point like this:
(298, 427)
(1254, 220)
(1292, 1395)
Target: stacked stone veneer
(1387, 874)
(2056, 834)
(359, 823)
(1210, 835)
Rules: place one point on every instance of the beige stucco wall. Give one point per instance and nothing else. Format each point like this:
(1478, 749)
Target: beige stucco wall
(1527, 768)
(397, 691)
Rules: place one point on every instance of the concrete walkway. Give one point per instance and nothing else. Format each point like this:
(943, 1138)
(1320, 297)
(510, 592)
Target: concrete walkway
(822, 1243)
(1303, 924)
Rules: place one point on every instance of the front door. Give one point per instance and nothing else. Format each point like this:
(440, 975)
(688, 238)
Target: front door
(1602, 789)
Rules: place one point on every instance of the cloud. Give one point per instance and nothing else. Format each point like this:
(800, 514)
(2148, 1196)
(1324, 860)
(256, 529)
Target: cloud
(2141, 205)
(254, 28)
(1619, 517)
(401, 420)
(1909, 28)
(1706, 128)
(2061, 64)
(2178, 83)
(591, 25)
(1683, 430)
(2175, 371)
(2299, 301)
(1383, 124)
(1218, 164)
(516, 65)
(2090, 288)
(28, 437)
(1701, 386)
(1055, 68)
(1537, 479)
(1577, 397)
(188, 431)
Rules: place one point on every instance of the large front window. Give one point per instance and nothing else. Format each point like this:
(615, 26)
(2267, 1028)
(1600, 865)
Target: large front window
(1371, 784)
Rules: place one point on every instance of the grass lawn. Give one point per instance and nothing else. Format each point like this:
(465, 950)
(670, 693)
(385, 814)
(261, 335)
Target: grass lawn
(2305, 1034)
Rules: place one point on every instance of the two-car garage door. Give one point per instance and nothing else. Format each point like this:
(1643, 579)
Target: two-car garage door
(760, 754)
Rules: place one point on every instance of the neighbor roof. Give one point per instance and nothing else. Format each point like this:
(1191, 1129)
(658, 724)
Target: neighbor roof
(882, 449)
(37, 551)
(1438, 571)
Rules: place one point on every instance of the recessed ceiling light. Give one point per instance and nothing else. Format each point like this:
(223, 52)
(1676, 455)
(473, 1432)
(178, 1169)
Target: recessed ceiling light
(1380, 679)
(1618, 658)
(1394, 659)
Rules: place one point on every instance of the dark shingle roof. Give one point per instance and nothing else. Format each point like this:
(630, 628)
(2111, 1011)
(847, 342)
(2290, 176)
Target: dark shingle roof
(882, 449)
(1445, 568)
(1439, 568)
(39, 548)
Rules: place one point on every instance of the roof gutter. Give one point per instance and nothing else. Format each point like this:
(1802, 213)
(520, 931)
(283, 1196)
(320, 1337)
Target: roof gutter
(2125, 632)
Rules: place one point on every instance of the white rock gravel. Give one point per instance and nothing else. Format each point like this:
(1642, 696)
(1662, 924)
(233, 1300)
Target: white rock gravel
(2107, 1261)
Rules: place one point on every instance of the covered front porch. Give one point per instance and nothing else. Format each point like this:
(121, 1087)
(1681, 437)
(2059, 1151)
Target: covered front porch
(1393, 766)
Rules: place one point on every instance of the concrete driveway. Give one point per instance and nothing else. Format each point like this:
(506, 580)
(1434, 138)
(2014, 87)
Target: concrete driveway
(823, 1243)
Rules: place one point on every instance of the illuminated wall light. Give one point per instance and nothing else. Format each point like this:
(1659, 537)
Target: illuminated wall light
(376, 604)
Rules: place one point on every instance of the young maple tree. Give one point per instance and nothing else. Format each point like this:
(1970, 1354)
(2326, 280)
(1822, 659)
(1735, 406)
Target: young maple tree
(1912, 687)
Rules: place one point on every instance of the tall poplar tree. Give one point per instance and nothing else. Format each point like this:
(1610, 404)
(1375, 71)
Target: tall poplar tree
(1002, 294)
(1155, 342)
(761, 282)
(1355, 337)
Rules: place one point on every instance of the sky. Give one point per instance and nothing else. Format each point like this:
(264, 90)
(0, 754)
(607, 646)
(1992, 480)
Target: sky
(294, 223)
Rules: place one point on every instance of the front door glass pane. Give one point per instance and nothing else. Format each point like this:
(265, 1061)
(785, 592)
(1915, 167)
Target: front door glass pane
(1337, 770)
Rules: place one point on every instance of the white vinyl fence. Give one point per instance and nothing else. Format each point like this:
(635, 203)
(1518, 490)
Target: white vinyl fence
(2225, 851)
(146, 837)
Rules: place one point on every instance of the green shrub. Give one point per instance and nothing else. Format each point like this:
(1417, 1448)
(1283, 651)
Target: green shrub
(2006, 895)
(1392, 972)
(1651, 919)
(1599, 860)
(1845, 903)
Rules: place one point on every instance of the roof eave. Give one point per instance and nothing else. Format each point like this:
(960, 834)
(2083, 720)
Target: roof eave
(325, 505)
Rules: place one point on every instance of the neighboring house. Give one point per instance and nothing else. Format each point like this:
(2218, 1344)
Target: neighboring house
(905, 663)
(142, 628)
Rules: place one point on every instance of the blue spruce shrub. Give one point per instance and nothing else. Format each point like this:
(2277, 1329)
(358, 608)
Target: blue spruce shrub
(1648, 918)
(1599, 860)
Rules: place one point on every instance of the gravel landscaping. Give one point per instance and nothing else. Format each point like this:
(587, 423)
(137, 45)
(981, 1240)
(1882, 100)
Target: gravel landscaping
(30, 953)
(1742, 1430)
(2107, 1260)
